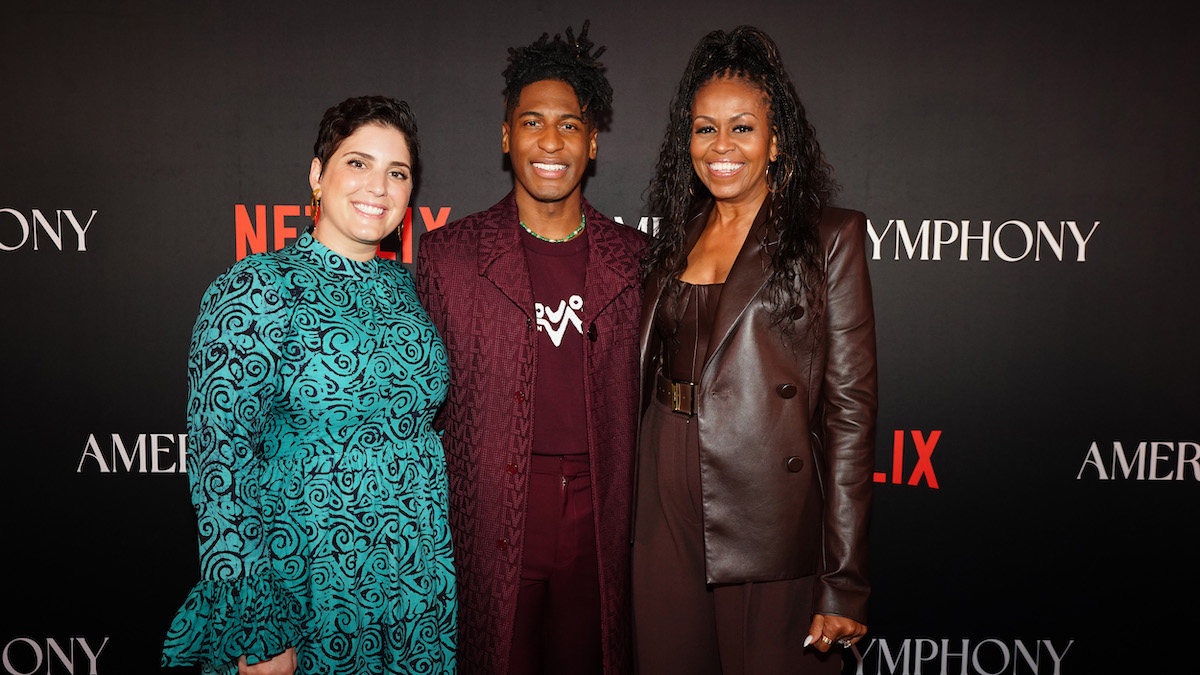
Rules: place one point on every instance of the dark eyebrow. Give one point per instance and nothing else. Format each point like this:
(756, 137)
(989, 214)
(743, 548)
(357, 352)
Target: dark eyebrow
(735, 117)
(372, 158)
(538, 115)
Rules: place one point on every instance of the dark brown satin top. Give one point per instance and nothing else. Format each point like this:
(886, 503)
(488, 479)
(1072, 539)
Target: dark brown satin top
(685, 335)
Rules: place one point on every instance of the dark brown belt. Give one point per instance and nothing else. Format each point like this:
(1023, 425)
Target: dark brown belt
(678, 395)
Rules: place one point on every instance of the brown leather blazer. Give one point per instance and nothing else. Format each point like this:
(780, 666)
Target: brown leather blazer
(787, 429)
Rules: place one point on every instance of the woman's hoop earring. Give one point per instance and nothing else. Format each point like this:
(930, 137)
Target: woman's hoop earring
(776, 186)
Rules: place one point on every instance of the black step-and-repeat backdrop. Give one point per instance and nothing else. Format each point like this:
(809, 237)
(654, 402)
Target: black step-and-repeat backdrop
(1029, 171)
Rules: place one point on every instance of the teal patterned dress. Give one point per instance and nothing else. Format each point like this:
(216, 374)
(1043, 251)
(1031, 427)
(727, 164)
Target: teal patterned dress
(318, 481)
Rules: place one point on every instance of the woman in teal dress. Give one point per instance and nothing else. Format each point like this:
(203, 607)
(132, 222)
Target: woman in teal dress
(317, 478)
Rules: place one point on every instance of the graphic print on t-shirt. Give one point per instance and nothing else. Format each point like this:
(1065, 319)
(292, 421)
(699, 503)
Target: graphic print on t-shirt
(566, 314)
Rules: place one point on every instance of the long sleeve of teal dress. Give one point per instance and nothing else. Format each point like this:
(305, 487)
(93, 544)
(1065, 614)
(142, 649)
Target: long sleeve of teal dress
(317, 479)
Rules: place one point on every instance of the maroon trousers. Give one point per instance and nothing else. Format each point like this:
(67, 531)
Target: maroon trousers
(557, 624)
(682, 624)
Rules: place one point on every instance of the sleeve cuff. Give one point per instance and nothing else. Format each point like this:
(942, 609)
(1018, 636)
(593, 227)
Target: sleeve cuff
(221, 621)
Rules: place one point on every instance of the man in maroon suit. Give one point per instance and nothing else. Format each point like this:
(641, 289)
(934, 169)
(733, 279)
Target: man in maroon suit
(537, 300)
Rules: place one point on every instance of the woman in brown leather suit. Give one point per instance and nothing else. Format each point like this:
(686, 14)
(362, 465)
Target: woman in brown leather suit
(758, 385)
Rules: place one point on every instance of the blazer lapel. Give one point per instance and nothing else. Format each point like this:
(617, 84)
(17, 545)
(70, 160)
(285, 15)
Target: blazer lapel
(656, 283)
(611, 268)
(745, 280)
(653, 292)
(501, 257)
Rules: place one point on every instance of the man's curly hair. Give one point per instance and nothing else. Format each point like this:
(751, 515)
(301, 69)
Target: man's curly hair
(568, 60)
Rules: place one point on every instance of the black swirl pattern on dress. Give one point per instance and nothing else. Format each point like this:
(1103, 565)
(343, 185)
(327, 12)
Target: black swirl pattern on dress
(318, 481)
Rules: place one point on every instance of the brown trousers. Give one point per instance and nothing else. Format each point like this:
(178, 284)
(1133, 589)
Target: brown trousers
(682, 624)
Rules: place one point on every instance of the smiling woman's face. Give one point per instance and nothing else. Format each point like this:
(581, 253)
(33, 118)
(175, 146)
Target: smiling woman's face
(732, 142)
(364, 190)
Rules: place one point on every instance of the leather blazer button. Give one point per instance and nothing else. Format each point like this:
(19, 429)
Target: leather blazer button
(787, 390)
(795, 464)
(592, 333)
(797, 313)
(511, 468)
(501, 544)
(518, 397)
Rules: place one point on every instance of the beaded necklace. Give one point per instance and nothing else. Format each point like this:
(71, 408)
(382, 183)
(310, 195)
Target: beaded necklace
(569, 237)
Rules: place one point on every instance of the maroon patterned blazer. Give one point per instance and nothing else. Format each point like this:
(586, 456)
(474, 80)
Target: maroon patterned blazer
(473, 278)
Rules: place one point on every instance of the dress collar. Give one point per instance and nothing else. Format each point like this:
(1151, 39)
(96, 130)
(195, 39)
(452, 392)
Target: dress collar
(308, 247)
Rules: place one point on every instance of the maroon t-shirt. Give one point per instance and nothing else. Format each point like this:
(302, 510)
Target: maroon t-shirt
(557, 272)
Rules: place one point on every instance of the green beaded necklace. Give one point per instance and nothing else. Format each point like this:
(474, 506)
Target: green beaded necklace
(569, 237)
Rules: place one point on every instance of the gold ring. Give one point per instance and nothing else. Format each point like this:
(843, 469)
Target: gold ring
(826, 640)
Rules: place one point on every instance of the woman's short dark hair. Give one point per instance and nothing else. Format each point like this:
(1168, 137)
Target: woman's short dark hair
(346, 117)
(570, 61)
(800, 180)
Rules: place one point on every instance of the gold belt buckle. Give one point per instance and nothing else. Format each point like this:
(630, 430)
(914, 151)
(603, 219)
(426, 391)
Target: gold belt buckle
(682, 394)
(677, 402)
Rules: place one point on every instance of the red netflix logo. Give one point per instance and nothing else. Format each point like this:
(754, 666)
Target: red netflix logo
(283, 226)
(924, 468)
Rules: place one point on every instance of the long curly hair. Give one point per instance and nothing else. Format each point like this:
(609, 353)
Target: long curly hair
(801, 182)
(571, 61)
